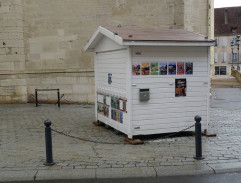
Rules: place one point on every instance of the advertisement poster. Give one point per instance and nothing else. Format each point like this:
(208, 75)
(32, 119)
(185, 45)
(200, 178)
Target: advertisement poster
(154, 68)
(145, 69)
(189, 68)
(163, 68)
(180, 68)
(172, 68)
(136, 69)
(180, 87)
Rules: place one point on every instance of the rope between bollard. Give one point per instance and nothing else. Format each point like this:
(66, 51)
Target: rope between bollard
(112, 143)
(170, 135)
(86, 140)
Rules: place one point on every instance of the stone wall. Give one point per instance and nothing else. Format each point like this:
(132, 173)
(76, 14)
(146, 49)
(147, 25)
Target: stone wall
(50, 37)
(12, 55)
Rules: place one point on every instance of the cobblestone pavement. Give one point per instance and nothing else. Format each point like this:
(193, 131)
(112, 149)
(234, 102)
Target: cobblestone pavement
(22, 145)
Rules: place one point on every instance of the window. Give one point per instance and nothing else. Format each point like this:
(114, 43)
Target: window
(215, 57)
(233, 57)
(224, 42)
(224, 57)
(220, 70)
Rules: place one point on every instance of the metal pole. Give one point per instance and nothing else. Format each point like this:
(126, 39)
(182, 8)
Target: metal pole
(198, 138)
(238, 68)
(232, 45)
(58, 98)
(48, 142)
(238, 43)
(36, 97)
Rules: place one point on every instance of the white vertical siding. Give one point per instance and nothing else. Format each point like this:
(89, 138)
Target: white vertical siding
(164, 112)
(114, 62)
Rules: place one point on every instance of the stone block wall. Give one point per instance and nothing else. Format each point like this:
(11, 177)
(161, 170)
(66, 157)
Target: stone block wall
(12, 55)
(76, 87)
(44, 40)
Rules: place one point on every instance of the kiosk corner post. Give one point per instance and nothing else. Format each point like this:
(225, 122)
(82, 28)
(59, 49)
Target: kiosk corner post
(48, 142)
(58, 97)
(198, 138)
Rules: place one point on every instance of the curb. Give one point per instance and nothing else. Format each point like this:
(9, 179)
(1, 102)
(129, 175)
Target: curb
(148, 173)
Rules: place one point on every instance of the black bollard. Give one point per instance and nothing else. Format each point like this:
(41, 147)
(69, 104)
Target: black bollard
(198, 138)
(58, 97)
(48, 142)
(36, 97)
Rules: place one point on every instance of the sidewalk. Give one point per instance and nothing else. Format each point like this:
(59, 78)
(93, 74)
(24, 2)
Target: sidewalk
(22, 147)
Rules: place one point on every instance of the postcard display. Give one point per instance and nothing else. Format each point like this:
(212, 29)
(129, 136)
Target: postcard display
(111, 108)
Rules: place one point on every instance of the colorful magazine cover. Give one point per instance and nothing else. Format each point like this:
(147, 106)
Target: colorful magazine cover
(172, 68)
(180, 68)
(154, 68)
(113, 114)
(136, 69)
(189, 68)
(114, 102)
(180, 87)
(117, 115)
(100, 108)
(145, 69)
(124, 105)
(163, 68)
(106, 111)
(121, 117)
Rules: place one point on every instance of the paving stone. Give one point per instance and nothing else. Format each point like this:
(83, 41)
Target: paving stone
(23, 144)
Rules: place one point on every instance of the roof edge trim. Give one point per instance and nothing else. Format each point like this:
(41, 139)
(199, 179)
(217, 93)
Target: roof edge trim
(167, 43)
(99, 33)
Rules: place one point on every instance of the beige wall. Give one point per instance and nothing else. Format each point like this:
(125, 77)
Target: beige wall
(49, 37)
(12, 55)
(224, 47)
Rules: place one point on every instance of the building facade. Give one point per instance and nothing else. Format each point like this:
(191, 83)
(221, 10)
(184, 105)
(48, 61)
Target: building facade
(42, 42)
(227, 27)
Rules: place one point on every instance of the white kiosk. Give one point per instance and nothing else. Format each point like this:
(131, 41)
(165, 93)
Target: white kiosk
(149, 80)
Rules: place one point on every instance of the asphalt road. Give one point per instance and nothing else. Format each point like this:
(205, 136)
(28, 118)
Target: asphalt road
(228, 98)
(212, 178)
